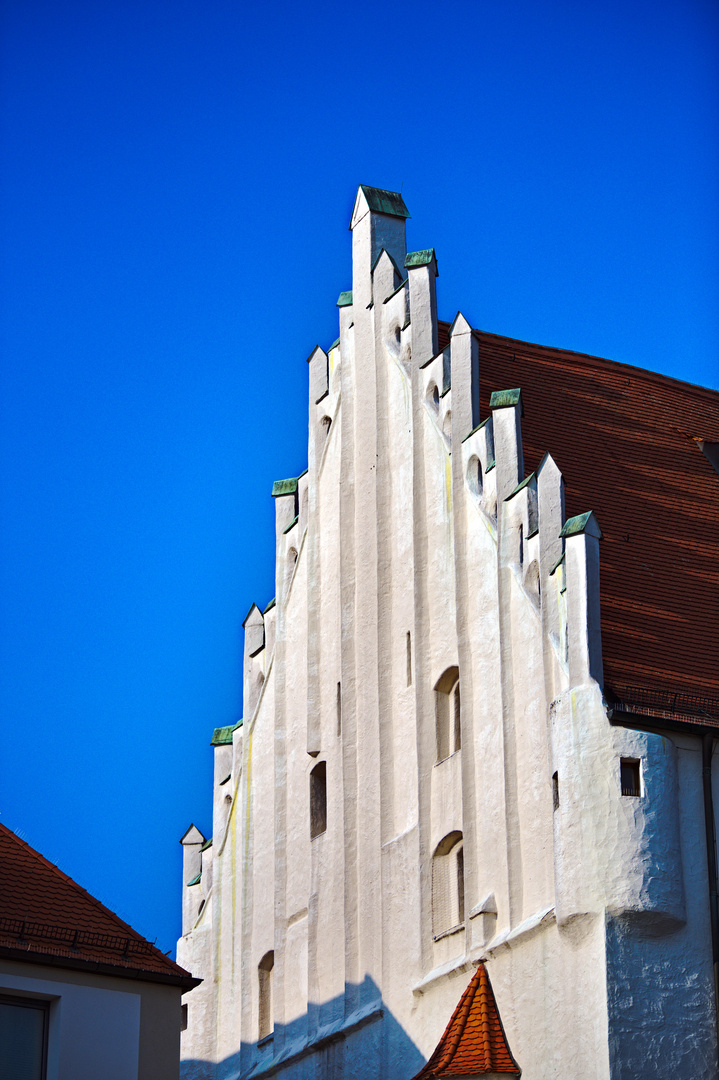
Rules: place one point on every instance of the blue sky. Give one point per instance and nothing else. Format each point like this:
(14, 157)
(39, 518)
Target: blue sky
(176, 184)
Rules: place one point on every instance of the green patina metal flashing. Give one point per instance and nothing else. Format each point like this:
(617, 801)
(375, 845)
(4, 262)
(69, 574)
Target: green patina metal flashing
(557, 564)
(446, 390)
(477, 428)
(385, 202)
(334, 345)
(575, 525)
(520, 486)
(502, 399)
(490, 466)
(345, 299)
(419, 258)
(196, 880)
(270, 606)
(291, 525)
(207, 843)
(222, 736)
(285, 487)
(534, 532)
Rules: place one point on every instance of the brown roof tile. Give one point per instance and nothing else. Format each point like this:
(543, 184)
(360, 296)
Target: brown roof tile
(626, 441)
(474, 1042)
(46, 917)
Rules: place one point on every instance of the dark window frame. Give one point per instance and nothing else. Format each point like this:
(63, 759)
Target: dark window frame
(630, 777)
(41, 1005)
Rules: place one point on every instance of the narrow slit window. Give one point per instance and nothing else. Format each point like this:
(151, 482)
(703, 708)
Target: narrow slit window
(409, 658)
(339, 709)
(264, 973)
(318, 799)
(555, 791)
(630, 777)
(457, 717)
(183, 1018)
(459, 870)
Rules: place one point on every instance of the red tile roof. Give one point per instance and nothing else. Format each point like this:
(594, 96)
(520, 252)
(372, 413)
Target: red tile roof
(474, 1042)
(626, 441)
(46, 917)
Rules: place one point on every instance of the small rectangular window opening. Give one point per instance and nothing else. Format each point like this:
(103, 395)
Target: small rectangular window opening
(339, 709)
(183, 1019)
(555, 791)
(630, 777)
(409, 658)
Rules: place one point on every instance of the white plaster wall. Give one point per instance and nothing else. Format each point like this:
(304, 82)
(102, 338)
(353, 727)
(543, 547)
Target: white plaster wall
(195, 952)
(662, 1018)
(569, 906)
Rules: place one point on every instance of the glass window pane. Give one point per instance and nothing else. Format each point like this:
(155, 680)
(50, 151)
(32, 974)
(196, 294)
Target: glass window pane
(22, 1041)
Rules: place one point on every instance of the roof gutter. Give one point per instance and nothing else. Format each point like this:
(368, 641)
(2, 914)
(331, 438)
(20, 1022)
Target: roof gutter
(98, 967)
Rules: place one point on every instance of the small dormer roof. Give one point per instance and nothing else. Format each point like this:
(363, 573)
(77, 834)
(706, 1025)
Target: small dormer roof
(285, 487)
(222, 736)
(419, 258)
(381, 201)
(582, 523)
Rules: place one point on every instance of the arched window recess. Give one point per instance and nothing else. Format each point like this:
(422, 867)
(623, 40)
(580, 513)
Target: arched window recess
(448, 885)
(264, 975)
(447, 706)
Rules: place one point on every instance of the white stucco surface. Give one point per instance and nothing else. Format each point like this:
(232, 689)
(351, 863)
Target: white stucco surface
(417, 551)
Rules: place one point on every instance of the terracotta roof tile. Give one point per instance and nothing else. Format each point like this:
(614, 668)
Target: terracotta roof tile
(626, 441)
(46, 916)
(474, 1042)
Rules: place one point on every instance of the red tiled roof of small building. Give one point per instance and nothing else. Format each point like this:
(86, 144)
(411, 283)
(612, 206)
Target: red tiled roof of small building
(626, 442)
(46, 917)
(474, 1042)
